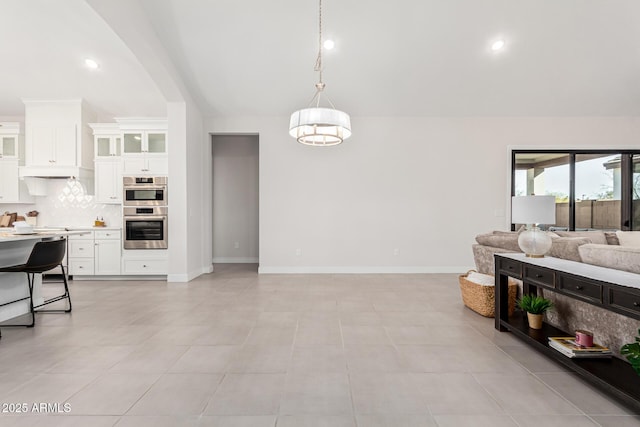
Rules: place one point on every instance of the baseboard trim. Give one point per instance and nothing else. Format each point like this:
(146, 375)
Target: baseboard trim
(235, 260)
(362, 270)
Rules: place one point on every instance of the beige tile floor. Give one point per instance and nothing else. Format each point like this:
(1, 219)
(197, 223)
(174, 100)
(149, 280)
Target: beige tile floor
(237, 349)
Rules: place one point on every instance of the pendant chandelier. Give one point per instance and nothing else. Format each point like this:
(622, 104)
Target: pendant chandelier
(316, 125)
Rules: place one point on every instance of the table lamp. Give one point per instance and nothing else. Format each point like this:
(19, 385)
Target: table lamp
(531, 211)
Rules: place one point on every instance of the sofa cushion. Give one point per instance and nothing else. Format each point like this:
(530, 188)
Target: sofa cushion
(567, 247)
(629, 238)
(504, 240)
(624, 258)
(597, 236)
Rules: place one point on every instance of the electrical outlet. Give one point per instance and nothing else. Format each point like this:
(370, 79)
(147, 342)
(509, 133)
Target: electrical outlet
(236, 245)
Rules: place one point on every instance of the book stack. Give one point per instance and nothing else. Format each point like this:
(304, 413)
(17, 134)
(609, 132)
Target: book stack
(568, 347)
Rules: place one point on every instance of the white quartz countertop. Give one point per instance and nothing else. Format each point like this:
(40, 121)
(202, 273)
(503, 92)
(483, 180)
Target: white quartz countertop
(10, 236)
(603, 274)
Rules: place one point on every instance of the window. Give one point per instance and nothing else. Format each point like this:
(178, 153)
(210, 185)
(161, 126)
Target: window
(594, 189)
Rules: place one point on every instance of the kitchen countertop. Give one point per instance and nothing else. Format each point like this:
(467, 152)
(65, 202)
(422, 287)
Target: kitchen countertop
(9, 236)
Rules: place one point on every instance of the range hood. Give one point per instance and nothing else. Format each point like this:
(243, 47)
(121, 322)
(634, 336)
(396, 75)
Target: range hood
(37, 177)
(55, 172)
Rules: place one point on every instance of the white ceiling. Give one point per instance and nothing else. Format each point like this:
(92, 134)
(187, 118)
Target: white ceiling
(400, 58)
(44, 45)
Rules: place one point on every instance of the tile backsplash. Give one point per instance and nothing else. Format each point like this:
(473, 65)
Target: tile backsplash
(68, 204)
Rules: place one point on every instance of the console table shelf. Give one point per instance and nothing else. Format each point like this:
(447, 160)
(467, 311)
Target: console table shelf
(614, 376)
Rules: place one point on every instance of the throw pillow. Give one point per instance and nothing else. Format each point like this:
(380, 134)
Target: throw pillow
(567, 247)
(629, 238)
(612, 238)
(597, 237)
(505, 241)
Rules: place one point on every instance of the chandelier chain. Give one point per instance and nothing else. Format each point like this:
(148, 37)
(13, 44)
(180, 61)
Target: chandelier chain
(318, 66)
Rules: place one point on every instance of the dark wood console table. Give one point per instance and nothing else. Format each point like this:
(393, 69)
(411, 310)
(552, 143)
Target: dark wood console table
(612, 290)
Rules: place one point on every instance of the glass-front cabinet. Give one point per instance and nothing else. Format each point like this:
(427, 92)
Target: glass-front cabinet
(9, 140)
(144, 142)
(9, 146)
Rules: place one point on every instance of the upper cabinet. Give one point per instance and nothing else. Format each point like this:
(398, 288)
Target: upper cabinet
(9, 133)
(12, 189)
(57, 134)
(144, 142)
(144, 146)
(107, 140)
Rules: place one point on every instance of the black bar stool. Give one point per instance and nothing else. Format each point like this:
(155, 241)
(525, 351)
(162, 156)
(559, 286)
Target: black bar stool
(45, 256)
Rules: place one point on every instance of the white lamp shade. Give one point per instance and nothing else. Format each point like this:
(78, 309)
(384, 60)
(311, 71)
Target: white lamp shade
(320, 126)
(533, 210)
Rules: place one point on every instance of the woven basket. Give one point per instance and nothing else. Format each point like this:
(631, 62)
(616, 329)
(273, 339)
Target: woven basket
(481, 299)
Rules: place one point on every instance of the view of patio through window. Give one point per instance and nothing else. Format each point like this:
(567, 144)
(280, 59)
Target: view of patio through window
(590, 186)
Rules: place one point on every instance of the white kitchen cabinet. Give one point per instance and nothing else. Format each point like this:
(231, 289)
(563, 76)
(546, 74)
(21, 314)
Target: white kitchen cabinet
(9, 184)
(108, 181)
(107, 255)
(145, 165)
(8, 146)
(144, 146)
(51, 145)
(151, 262)
(81, 254)
(12, 189)
(95, 253)
(56, 134)
(107, 139)
(144, 142)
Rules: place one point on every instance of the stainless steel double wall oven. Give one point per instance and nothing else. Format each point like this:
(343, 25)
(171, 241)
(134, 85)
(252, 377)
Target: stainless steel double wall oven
(145, 212)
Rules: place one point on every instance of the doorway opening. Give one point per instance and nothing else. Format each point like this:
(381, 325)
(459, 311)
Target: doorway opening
(235, 198)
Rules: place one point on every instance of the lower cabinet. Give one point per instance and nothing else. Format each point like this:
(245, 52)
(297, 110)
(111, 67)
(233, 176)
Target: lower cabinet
(107, 253)
(95, 253)
(145, 262)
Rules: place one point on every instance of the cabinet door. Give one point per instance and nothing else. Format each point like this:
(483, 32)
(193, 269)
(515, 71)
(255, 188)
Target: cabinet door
(156, 142)
(9, 190)
(107, 257)
(65, 146)
(108, 179)
(42, 140)
(103, 146)
(9, 146)
(132, 143)
(134, 165)
(157, 165)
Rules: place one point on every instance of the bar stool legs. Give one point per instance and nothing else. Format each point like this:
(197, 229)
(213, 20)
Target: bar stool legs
(66, 296)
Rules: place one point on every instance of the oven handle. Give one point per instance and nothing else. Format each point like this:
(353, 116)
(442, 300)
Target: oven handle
(145, 187)
(146, 218)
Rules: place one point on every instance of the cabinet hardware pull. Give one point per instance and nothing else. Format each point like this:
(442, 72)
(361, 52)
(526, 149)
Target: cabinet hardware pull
(538, 276)
(144, 265)
(636, 304)
(579, 288)
(510, 267)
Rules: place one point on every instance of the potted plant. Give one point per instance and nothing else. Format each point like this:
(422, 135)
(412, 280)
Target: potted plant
(632, 352)
(535, 307)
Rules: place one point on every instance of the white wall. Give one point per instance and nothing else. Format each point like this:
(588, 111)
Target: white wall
(423, 186)
(235, 198)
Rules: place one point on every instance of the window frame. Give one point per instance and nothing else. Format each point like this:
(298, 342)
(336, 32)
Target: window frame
(626, 181)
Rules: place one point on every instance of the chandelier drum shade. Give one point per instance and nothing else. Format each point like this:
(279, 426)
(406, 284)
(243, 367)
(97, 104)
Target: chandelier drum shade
(316, 125)
(320, 126)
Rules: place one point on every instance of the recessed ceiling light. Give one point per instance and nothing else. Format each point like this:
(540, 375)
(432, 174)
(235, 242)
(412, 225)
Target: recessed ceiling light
(497, 45)
(329, 44)
(90, 63)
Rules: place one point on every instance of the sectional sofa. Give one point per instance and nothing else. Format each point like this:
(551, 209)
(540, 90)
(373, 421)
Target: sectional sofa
(615, 250)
